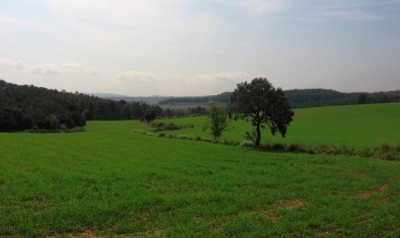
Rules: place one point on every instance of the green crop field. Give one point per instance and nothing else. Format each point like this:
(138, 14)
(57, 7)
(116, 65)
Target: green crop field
(110, 182)
(358, 126)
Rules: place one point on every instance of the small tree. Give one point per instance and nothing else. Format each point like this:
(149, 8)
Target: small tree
(149, 115)
(262, 104)
(217, 120)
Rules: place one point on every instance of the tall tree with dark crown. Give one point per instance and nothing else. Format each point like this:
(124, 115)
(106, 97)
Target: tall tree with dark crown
(263, 105)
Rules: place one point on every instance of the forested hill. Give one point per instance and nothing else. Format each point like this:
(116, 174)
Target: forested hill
(304, 98)
(24, 107)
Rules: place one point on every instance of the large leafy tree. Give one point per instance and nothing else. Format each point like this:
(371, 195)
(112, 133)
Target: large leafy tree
(263, 105)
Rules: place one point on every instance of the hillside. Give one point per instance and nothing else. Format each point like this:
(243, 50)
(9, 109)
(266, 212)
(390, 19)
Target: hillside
(24, 107)
(304, 98)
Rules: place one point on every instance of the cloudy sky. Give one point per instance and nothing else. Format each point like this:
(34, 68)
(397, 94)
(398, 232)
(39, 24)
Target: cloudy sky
(200, 47)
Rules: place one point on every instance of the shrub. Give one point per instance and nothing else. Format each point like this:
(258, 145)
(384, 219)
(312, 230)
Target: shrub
(385, 148)
(63, 127)
(295, 148)
(77, 129)
(247, 143)
(278, 147)
(182, 136)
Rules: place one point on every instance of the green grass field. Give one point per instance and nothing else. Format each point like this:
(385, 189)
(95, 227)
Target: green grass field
(358, 126)
(108, 181)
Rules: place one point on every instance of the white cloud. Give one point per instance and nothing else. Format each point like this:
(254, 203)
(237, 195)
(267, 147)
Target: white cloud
(138, 76)
(83, 69)
(44, 69)
(205, 84)
(222, 77)
(13, 64)
(89, 71)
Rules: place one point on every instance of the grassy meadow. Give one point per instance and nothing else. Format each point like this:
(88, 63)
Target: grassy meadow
(109, 182)
(358, 126)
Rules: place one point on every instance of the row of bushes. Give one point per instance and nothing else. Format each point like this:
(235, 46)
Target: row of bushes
(384, 151)
(161, 126)
(62, 129)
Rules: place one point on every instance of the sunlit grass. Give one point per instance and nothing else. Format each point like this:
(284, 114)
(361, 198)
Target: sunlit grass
(108, 181)
(358, 126)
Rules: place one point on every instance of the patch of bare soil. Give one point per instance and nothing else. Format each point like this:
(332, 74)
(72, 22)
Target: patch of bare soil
(355, 173)
(366, 194)
(285, 203)
(291, 203)
(270, 214)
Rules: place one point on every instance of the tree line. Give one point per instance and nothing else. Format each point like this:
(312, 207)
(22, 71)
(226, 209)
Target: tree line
(299, 98)
(221, 98)
(26, 107)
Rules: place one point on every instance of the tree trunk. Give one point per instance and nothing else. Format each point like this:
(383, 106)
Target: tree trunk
(258, 130)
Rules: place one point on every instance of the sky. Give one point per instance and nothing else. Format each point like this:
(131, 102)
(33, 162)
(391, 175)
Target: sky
(200, 47)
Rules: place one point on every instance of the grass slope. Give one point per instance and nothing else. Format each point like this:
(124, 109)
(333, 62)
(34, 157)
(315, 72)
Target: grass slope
(359, 126)
(108, 181)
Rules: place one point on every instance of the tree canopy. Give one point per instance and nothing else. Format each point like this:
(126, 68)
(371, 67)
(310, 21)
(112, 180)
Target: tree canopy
(217, 120)
(263, 105)
(149, 115)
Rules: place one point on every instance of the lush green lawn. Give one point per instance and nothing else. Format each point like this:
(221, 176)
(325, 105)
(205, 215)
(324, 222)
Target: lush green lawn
(108, 181)
(358, 126)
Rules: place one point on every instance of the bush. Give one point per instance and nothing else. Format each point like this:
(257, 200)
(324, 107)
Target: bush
(295, 148)
(77, 129)
(247, 143)
(182, 136)
(278, 147)
(149, 115)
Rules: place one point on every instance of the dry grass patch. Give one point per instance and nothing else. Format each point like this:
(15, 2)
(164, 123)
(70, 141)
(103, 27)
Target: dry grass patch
(356, 173)
(86, 234)
(291, 203)
(269, 214)
(366, 194)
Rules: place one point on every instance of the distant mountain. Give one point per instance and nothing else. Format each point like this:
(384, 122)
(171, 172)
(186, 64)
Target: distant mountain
(149, 100)
(105, 95)
(118, 97)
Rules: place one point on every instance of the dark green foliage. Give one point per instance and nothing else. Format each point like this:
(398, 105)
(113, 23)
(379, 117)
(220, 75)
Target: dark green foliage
(299, 98)
(161, 126)
(217, 120)
(363, 98)
(14, 119)
(149, 115)
(29, 107)
(262, 104)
